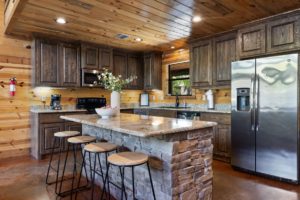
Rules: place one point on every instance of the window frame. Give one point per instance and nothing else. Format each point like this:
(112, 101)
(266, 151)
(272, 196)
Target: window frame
(170, 80)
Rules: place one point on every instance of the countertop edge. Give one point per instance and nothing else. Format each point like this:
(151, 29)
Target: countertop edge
(137, 133)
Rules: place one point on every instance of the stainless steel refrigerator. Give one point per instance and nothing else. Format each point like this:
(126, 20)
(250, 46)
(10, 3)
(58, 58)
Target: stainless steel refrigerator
(265, 116)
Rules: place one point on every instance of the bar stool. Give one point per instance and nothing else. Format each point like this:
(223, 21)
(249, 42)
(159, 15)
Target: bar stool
(75, 142)
(98, 149)
(128, 159)
(59, 137)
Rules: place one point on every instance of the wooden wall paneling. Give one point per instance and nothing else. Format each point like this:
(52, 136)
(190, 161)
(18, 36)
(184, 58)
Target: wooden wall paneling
(251, 41)
(283, 34)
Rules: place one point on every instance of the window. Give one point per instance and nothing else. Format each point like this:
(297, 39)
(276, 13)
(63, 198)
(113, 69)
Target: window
(179, 79)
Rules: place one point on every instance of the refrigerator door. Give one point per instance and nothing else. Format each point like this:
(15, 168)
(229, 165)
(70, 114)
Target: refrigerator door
(276, 117)
(242, 114)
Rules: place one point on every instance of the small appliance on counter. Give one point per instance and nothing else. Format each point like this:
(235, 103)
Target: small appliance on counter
(144, 99)
(90, 103)
(55, 102)
(210, 99)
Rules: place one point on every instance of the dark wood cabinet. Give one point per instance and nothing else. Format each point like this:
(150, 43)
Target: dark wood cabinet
(120, 64)
(283, 34)
(70, 65)
(135, 68)
(224, 52)
(56, 64)
(222, 135)
(96, 57)
(43, 127)
(46, 63)
(163, 113)
(153, 71)
(47, 134)
(129, 64)
(201, 63)
(251, 41)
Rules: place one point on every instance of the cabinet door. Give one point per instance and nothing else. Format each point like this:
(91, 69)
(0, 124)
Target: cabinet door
(89, 57)
(153, 71)
(148, 71)
(47, 134)
(120, 64)
(283, 34)
(72, 126)
(135, 68)
(201, 64)
(46, 68)
(222, 142)
(69, 65)
(224, 53)
(105, 59)
(251, 41)
(163, 113)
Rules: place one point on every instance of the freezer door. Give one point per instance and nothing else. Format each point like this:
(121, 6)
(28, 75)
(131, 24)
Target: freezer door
(242, 115)
(276, 128)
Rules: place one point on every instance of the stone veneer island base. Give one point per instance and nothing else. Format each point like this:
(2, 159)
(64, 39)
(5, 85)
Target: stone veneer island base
(180, 154)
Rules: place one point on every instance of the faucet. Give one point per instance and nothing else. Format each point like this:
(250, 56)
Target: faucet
(177, 101)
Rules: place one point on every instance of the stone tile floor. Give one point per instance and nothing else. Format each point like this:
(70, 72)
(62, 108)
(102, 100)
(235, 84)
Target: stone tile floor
(24, 179)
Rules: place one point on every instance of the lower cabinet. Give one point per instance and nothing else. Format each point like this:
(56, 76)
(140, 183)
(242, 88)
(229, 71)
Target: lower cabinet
(43, 128)
(222, 135)
(163, 113)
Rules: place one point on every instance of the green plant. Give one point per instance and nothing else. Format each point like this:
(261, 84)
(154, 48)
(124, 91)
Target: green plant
(113, 83)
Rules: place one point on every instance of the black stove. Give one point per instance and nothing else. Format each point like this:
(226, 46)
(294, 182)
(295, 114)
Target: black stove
(90, 103)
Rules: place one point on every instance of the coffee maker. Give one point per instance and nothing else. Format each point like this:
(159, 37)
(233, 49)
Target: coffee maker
(55, 102)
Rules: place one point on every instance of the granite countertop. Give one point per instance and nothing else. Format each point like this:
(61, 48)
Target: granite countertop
(140, 125)
(191, 109)
(48, 110)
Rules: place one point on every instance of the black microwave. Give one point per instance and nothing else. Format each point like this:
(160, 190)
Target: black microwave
(89, 77)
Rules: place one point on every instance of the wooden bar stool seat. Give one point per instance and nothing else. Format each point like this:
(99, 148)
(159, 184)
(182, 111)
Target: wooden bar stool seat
(128, 159)
(66, 134)
(100, 147)
(81, 139)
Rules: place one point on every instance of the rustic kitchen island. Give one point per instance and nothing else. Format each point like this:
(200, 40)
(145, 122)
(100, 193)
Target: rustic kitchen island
(180, 153)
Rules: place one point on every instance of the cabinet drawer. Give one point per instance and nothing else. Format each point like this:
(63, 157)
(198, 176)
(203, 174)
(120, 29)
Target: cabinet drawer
(216, 117)
(55, 117)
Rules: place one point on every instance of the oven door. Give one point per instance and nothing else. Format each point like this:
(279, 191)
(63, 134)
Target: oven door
(89, 77)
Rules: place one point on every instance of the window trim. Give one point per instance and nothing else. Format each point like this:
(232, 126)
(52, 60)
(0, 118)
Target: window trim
(170, 80)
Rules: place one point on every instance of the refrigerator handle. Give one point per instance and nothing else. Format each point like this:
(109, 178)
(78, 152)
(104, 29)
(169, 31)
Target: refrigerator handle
(252, 110)
(257, 102)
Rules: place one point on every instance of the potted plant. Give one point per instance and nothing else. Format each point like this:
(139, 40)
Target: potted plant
(115, 84)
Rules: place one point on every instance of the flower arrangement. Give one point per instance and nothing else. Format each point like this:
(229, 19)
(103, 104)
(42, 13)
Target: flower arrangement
(113, 83)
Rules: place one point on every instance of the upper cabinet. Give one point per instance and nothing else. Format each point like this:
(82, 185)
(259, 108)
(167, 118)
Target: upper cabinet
(283, 34)
(153, 71)
(251, 41)
(210, 61)
(56, 64)
(201, 63)
(274, 35)
(129, 64)
(224, 52)
(96, 57)
(70, 65)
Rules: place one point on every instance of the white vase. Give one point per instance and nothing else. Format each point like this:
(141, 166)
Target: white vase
(115, 100)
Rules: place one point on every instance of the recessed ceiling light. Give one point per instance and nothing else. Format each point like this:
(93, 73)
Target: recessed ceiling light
(197, 19)
(61, 20)
(172, 47)
(138, 39)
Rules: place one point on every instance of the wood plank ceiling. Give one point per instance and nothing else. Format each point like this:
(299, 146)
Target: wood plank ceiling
(160, 23)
